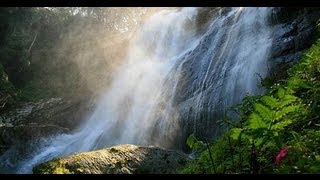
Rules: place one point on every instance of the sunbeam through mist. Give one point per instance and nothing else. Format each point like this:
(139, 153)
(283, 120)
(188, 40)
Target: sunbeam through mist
(172, 73)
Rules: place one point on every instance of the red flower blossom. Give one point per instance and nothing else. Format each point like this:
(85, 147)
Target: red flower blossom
(281, 154)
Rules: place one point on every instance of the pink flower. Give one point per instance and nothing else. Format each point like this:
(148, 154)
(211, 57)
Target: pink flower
(281, 154)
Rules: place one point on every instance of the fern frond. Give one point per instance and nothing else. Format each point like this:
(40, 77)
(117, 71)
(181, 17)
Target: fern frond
(270, 101)
(256, 122)
(288, 99)
(284, 111)
(264, 111)
(235, 133)
(281, 125)
(281, 93)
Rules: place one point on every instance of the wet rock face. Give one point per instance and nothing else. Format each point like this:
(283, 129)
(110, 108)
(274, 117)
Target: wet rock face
(22, 135)
(293, 33)
(122, 159)
(35, 120)
(56, 111)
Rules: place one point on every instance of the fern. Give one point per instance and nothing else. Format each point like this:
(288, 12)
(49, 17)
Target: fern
(281, 93)
(235, 133)
(264, 111)
(281, 125)
(270, 101)
(285, 102)
(256, 122)
(286, 110)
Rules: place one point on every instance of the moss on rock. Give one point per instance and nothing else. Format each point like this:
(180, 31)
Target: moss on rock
(52, 167)
(122, 159)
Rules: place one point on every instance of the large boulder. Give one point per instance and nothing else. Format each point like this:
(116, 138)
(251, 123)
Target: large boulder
(122, 159)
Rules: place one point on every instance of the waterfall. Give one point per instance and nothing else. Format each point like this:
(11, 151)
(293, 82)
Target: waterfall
(225, 66)
(173, 73)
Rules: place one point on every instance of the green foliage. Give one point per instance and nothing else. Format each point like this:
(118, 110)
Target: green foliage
(194, 143)
(256, 122)
(55, 166)
(286, 116)
(235, 133)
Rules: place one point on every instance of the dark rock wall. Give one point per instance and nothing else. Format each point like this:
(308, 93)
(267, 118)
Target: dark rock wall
(294, 32)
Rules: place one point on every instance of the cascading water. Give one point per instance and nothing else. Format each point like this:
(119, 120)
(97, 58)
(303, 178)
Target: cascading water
(123, 114)
(226, 66)
(173, 74)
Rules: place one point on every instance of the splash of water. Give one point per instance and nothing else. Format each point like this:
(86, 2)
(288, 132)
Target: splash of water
(123, 114)
(143, 104)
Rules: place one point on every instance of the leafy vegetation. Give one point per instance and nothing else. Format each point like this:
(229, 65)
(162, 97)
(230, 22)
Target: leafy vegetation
(275, 133)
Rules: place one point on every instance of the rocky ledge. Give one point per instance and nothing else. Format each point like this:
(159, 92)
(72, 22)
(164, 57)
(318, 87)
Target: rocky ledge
(35, 120)
(122, 159)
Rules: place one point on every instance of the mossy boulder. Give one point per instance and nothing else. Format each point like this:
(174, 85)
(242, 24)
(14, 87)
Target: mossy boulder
(122, 159)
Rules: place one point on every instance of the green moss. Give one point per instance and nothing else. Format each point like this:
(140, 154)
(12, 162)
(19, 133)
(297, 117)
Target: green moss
(56, 166)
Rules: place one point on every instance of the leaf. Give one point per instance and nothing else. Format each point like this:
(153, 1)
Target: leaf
(289, 97)
(264, 112)
(194, 143)
(281, 125)
(270, 144)
(280, 114)
(270, 101)
(256, 122)
(246, 137)
(296, 136)
(284, 102)
(281, 93)
(235, 133)
(258, 142)
(309, 56)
